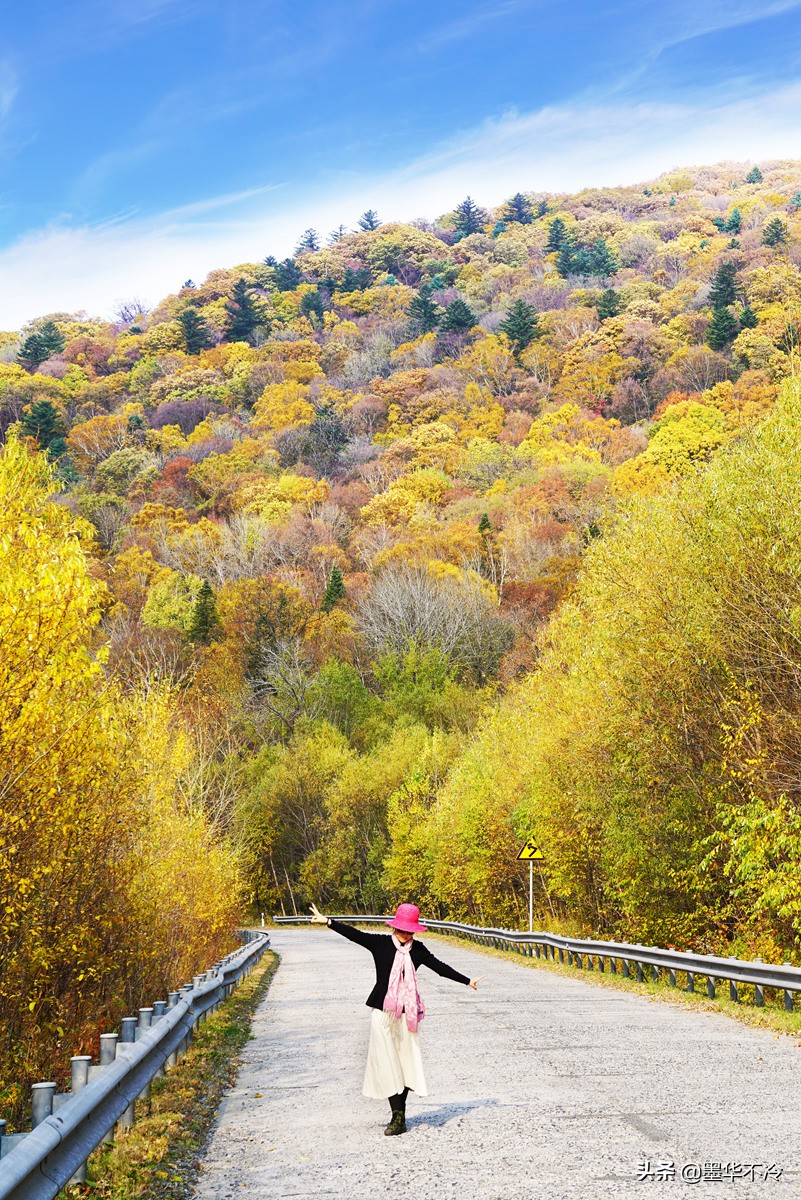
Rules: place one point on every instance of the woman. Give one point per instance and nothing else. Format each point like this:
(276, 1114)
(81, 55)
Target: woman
(394, 1063)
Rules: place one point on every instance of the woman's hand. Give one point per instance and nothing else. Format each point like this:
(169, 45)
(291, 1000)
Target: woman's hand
(317, 916)
(475, 982)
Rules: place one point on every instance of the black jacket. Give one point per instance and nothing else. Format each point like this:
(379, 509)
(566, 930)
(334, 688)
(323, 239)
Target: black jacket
(383, 951)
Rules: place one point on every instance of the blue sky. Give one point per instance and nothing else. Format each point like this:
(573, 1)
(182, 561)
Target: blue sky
(146, 141)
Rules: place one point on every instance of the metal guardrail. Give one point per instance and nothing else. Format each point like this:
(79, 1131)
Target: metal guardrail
(611, 955)
(67, 1127)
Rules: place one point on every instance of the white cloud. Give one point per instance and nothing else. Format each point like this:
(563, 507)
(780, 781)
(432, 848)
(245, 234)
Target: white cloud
(558, 148)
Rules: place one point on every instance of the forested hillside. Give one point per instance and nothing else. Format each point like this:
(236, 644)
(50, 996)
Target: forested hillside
(375, 559)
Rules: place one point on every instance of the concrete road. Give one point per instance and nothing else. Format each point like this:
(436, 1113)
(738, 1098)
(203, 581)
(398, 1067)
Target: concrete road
(540, 1086)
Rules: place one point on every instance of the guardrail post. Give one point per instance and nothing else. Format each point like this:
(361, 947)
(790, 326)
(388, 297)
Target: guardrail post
(144, 1023)
(690, 982)
(108, 1052)
(187, 990)
(613, 966)
(196, 982)
(79, 1077)
(127, 1035)
(159, 1009)
(654, 974)
(788, 995)
(759, 992)
(41, 1102)
(710, 987)
(640, 974)
(626, 970)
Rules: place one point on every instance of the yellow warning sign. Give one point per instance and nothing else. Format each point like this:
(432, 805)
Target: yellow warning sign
(531, 850)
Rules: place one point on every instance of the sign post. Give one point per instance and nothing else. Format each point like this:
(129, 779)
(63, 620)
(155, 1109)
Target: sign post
(532, 853)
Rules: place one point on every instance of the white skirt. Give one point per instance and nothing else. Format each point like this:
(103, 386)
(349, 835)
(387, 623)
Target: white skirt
(394, 1060)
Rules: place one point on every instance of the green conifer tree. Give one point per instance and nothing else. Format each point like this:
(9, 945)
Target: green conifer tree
(601, 260)
(722, 329)
(485, 525)
(724, 289)
(40, 344)
(518, 209)
(245, 313)
(424, 314)
(334, 589)
(568, 261)
(309, 241)
(557, 235)
(754, 176)
(520, 325)
(355, 281)
(204, 622)
(735, 222)
(748, 318)
(44, 422)
(312, 306)
(609, 304)
(197, 335)
(469, 218)
(774, 233)
(458, 317)
(287, 274)
(369, 221)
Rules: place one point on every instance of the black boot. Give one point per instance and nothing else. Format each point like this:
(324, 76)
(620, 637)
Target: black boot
(397, 1124)
(398, 1106)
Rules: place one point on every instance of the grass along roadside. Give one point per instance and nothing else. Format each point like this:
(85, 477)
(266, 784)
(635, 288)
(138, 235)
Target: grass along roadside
(772, 1016)
(158, 1158)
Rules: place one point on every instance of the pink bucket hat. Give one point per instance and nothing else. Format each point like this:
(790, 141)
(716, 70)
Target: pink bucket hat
(407, 919)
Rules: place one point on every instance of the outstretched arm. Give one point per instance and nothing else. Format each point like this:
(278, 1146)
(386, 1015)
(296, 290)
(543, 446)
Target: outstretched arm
(353, 935)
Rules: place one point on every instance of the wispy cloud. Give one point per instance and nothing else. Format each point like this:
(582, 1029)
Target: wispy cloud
(471, 23)
(557, 148)
(699, 19)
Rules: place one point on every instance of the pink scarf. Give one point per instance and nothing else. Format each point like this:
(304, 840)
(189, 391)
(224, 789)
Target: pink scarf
(402, 995)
